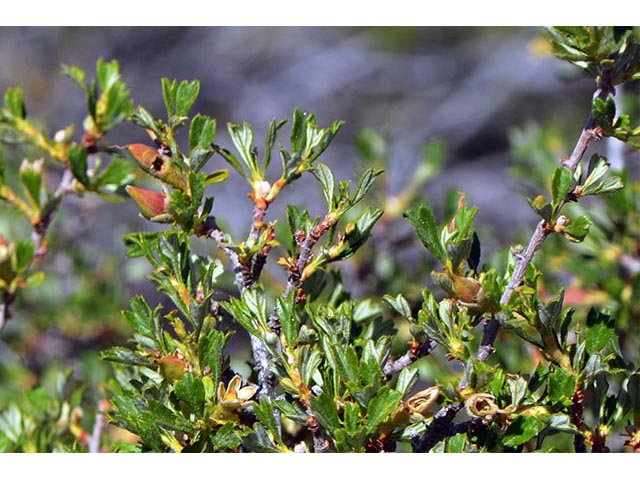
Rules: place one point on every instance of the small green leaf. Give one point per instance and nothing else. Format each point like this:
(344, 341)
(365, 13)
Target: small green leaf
(115, 175)
(270, 140)
(31, 178)
(13, 102)
(169, 89)
(142, 319)
(217, 176)
(34, 280)
(325, 176)
(264, 411)
(186, 95)
(226, 438)
(561, 385)
(399, 304)
(325, 409)
(242, 137)
(123, 355)
(599, 330)
(577, 230)
(406, 380)
(604, 112)
(561, 186)
(191, 391)
(541, 207)
(383, 404)
(201, 132)
(78, 164)
(364, 185)
(24, 254)
(76, 74)
(372, 146)
(425, 225)
(522, 430)
(144, 119)
(210, 349)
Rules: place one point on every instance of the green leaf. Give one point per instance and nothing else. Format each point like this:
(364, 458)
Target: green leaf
(14, 103)
(186, 95)
(142, 319)
(599, 330)
(78, 164)
(210, 349)
(325, 409)
(108, 73)
(577, 230)
(264, 411)
(604, 112)
(561, 386)
(115, 175)
(144, 119)
(231, 160)
(372, 146)
(383, 404)
(325, 176)
(425, 225)
(226, 438)
(561, 186)
(34, 280)
(201, 132)
(76, 74)
(406, 380)
(24, 254)
(364, 185)
(540, 206)
(169, 89)
(31, 178)
(399, 304)
(242, 137)
(123, 355)
(270, 140)
(191, 391)
(522, 430)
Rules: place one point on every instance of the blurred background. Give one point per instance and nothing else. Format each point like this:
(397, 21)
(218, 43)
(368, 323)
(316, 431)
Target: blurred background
(486, 93)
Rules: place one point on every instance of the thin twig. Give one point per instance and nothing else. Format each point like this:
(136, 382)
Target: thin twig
(577, 412)
(590, 132)
(422, 350)
(96, 434)
(442, 427)
(542, 231)
(38, 235)
(294, 282)
(243, 280)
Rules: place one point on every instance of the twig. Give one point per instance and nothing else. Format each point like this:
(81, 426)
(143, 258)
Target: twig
(38, 235)
(294, 282)
(243, 280)
(542, 231)
(422, 350)
(577, 411)
(442, 427)
(96, 434)
(590, 132)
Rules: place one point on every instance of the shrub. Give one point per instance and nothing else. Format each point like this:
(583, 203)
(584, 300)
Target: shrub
(490, 357)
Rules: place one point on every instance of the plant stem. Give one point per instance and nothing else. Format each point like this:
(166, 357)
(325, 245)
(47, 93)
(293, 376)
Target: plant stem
(38, 235)
(96, 434)
(422, 350)
(294, 282)
(590, 132)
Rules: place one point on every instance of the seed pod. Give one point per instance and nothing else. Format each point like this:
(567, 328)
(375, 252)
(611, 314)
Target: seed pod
(157, 165)
(152, 205)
